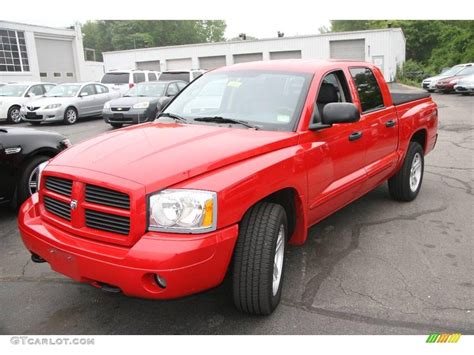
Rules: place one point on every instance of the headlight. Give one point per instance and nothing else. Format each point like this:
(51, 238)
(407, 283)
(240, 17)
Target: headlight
(107, 104)
(53, 106)
(40, 172)
(183, 211)
(66, 143)
(142, 105)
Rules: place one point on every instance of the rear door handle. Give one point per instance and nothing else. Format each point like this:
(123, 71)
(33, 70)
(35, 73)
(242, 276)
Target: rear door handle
(390, 123)
(355, 135)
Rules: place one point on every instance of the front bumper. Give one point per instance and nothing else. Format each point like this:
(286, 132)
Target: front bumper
(188, 263)
(133, 116)
(42, 115)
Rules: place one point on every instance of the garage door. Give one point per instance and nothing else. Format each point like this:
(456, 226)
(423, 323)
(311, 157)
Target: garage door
(55, 60)
(149, 65)
(179, 64)
(348, 49)
(285, 55)
(248, 57)
(212, 62)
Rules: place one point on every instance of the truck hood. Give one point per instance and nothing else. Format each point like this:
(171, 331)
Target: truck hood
(158, 155)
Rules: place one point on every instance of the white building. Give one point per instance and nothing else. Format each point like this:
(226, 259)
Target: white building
(39, 53)
(384, 47)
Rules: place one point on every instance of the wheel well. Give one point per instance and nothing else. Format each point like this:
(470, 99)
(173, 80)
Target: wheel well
(12, 106)
(286, 198)
(71, 106)
(420, 138)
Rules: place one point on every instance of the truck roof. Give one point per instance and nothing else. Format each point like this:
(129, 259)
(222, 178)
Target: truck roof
(296, 65)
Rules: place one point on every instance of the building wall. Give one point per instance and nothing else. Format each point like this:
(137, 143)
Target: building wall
(66, 49)
(388, 43)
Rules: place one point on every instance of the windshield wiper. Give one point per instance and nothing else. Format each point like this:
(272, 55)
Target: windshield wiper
(173, 116)
(219, 119)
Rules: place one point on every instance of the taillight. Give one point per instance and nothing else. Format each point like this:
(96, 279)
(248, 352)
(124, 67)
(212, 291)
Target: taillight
(131, 85)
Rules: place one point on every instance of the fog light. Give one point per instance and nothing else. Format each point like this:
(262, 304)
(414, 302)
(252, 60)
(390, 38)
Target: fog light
(160, 281)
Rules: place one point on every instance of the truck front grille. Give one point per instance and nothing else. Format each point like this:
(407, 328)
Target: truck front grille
(58, 208)
(107, 222)
(58, 185)
(103, 196)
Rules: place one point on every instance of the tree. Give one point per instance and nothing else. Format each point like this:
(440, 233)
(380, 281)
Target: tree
(113, 35)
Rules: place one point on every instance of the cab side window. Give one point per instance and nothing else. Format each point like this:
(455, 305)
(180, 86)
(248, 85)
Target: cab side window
(101, 89)
(369, 91)
(333, 89)
(138, 77)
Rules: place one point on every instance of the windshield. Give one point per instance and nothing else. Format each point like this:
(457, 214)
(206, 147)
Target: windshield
(13, 90)
(64, 90)
(115, 78)
(466, 71)
(453, 70)
(153, 90)
(270, 100)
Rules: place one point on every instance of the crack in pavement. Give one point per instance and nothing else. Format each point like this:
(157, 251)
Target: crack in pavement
(448, 167)
(314, 284)
(359, 318)
(467, 187)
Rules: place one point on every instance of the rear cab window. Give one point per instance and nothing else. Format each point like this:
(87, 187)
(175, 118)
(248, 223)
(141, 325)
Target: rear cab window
(116, 78)
(175, 76)
(370, 95)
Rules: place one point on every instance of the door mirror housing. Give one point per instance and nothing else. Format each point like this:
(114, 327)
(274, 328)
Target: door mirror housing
(336, 112)
(84, 94)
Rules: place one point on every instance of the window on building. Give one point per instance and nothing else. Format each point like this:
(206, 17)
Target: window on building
(69, 75)
(57, 75)
(43, 75)
(13, 54)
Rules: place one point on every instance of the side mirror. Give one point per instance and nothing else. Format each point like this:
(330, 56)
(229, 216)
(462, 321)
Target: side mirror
(84, 94)
(337, 112)
(31, 94)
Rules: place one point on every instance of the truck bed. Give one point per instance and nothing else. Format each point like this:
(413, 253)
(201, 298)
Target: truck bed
(399, 98)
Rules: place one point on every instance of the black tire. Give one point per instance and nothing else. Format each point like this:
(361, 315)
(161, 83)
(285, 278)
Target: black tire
(399, 184)
(116, 125)
(254, 255)
(68, 119)
(14, 114)
(27, 169)
(430, 90)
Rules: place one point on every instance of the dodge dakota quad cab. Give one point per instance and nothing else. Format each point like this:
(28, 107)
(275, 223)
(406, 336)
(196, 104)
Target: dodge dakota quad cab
(243, 161)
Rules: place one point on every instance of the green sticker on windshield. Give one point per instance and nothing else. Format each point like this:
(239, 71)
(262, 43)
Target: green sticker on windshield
(234, 84)
(283, 118)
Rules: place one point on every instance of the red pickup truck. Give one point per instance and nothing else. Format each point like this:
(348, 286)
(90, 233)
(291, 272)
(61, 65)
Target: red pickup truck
(243, 161)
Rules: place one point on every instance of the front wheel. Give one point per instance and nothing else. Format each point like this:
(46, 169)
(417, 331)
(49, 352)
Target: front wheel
(258, 264)
(70, 115)
(406, 183)
(28, 183)
(14, 115)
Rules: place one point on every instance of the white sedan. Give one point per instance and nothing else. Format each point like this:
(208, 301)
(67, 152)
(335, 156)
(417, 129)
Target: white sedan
(14, 95)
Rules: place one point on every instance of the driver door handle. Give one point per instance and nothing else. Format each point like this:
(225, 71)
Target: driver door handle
(355, 135)
(390, 123)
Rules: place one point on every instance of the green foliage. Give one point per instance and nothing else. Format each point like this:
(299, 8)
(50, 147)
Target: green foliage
(430, 44)
(113, 35)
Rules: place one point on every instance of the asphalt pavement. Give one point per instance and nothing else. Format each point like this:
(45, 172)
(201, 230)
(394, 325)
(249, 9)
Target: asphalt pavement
(375, 267)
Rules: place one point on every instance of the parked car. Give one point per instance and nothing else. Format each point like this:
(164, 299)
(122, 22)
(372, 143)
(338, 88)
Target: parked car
(446, 85)
(141, 103)
(429, 84)
(22, 151)
(13, 95)
(123, 80)
(68, 103)
(465, 86)
(184, 75)
(161, 209)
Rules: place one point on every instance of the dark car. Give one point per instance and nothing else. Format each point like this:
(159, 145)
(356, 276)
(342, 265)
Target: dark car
(22, 151)
(446, 85)
(141, 103)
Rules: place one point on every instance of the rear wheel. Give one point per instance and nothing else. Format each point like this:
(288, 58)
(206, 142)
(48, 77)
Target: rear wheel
(14, 115)
(258, 265)
(70, 115)
(28, 183)
(406, 183)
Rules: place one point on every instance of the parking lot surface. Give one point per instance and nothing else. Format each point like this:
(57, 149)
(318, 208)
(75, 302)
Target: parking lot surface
(375, 267)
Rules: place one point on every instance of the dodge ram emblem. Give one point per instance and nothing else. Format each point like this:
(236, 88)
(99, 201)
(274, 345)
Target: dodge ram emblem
(73, 204)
